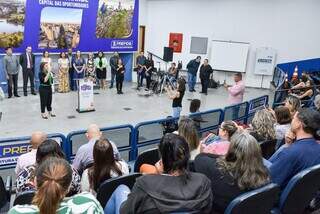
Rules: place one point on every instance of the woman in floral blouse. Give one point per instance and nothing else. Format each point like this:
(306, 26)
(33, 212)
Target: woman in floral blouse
(49, 148)
(54, 176)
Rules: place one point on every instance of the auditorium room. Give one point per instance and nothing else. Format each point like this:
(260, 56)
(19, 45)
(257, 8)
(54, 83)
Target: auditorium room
(159, 106)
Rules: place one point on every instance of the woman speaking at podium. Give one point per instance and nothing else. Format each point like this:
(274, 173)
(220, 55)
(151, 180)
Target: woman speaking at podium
(45, 90)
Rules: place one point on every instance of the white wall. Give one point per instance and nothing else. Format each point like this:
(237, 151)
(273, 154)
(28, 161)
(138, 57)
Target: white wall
(289, 26)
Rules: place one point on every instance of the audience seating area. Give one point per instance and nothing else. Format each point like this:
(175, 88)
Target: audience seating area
(137, 145)
(131, 141)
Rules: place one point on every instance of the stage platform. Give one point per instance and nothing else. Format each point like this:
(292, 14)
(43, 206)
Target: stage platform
(21, 116)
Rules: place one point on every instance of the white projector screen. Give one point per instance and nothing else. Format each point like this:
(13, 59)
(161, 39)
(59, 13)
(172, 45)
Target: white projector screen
(229, 56)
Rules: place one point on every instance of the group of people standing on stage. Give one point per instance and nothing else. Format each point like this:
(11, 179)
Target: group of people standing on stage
(144, 68)
(70, 69)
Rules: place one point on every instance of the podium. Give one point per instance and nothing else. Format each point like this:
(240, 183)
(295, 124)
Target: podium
(85, 95)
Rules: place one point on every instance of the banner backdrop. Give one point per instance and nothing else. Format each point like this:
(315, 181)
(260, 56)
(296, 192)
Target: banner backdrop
(55, 25)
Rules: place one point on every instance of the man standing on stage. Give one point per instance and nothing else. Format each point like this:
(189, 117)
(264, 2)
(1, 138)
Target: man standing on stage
(113, 64)
(71, 70)
(11, 71)
(27, 60)
(193, 67)
(140, 67)
(236, 92)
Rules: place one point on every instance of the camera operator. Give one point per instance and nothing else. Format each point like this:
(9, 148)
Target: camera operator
(177, 96)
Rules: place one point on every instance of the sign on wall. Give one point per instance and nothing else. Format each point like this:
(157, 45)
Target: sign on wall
(175, 42)
(265, 61)
(55, 25)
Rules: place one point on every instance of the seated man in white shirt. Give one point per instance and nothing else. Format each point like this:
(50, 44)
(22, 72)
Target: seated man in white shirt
(29, 158)
(84, 155)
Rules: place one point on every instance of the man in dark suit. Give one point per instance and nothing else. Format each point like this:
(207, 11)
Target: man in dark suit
(27, 61)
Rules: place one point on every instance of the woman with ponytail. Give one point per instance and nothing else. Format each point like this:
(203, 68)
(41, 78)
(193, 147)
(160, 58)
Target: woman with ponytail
(53, 178)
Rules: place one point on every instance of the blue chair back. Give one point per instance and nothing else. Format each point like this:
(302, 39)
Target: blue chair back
(300, 190)
(260, 201)
(150, 156)
(24, 198)
(109, 186)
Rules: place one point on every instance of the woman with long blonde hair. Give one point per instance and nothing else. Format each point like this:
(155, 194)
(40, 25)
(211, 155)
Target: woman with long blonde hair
(239, 171)
(262, 125)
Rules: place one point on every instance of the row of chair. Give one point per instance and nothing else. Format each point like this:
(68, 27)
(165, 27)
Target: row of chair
(294, 199)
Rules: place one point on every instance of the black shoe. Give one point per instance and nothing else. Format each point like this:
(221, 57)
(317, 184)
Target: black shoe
(34, 93)
(118, 92)
(52, 115)
(9, 97)
(110, 87)
(194, 90)
(121, 92)
(201, 92)
(16, 95)
(25, 95)
(44, 117)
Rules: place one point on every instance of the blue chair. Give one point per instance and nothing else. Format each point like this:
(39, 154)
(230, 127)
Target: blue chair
(24, 198)
(109, 186)
(260, 201)
(5, 194)
(150, 156)
(299, 192)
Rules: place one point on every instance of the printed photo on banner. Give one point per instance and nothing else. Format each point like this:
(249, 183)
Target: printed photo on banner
(175, 42)
(12, 16)
(60, 28)
(115, 19)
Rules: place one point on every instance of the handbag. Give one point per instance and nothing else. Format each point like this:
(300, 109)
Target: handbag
(212, 82)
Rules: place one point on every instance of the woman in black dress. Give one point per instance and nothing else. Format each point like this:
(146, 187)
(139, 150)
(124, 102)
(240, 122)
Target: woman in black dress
(45, 90)
(120, 75)
(205, 72)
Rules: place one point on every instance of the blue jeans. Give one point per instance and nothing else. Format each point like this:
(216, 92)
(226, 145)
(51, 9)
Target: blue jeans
(191, 81)
(113, 76)
(117, 198)
(176, 111)
(141, 76)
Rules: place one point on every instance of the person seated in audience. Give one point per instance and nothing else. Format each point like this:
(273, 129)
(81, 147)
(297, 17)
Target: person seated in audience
(293, 103)
(173, 71)
(262, 126)
(219, 145)
(302, 83)
(307, 92)
(303, 152)
(239, 171)
(49, 148)
(317, 102)
(105, 166)
(53, 179)
(174, 190)
(84, 155)
(188, 130)
(283, 124)
(29, 158)
(195, 108)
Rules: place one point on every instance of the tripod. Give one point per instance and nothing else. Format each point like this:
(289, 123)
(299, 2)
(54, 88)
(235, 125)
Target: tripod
(164, 80)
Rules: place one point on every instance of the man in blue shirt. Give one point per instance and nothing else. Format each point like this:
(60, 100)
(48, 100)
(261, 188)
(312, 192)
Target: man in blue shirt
(303, 153)
(193, 67)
